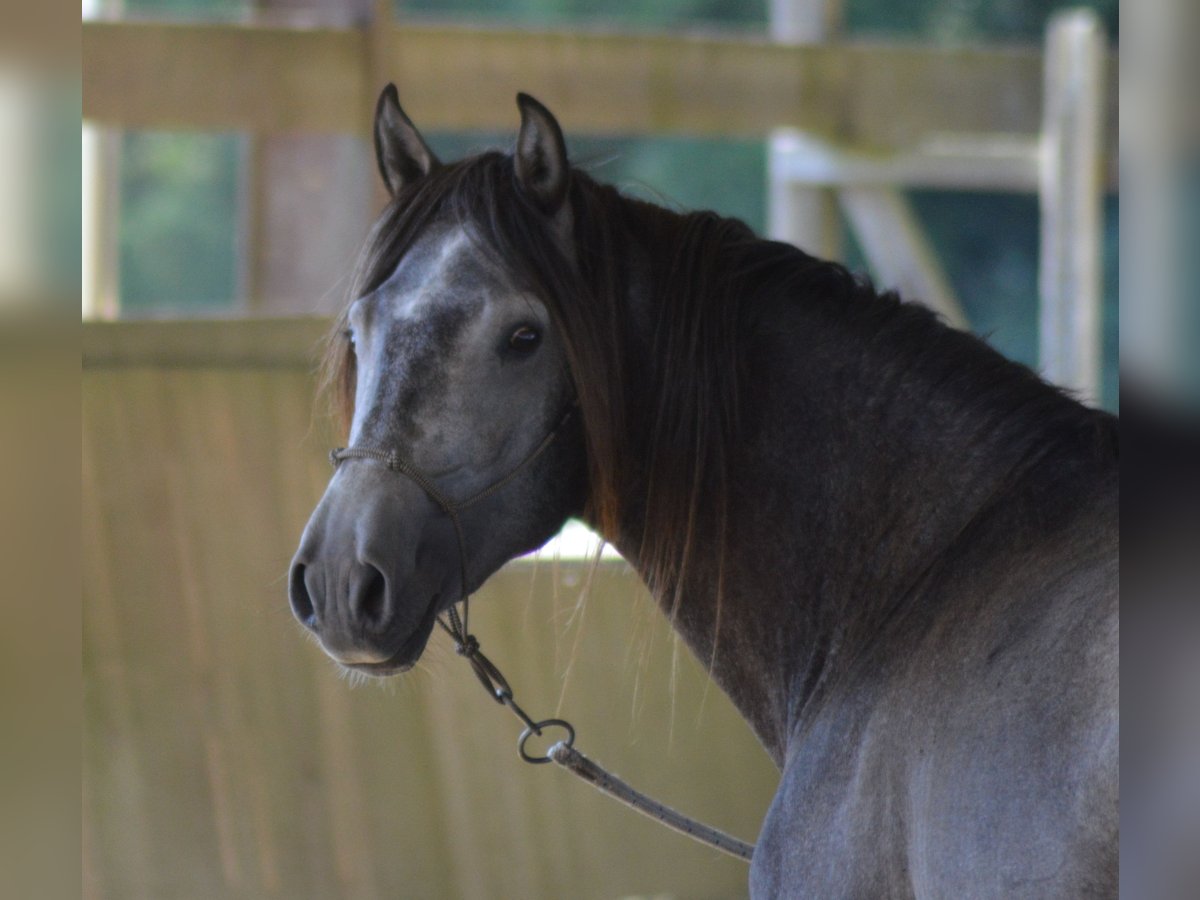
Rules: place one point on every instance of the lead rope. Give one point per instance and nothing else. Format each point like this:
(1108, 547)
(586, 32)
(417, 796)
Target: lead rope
(564, 753)
(466, 645)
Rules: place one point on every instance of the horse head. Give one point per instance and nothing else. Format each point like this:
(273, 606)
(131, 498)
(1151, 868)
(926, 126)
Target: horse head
(455, 382)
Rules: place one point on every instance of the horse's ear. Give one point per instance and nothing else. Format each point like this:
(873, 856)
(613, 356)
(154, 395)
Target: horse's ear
(541, 158)
(401, 152)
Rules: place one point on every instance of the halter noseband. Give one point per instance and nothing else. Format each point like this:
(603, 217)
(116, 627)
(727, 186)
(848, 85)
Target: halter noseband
(457, 627)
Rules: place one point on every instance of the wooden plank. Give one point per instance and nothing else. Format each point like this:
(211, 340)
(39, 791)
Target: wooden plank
(1070, 277)
(240, 343)
(223, 77)
(268, 79)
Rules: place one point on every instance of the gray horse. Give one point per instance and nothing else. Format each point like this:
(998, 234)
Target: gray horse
(895, 550)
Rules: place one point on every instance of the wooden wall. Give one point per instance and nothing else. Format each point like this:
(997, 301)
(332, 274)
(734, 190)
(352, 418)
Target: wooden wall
(223, 754)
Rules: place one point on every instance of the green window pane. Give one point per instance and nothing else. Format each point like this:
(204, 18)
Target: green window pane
(967, 21)
(624, 13)
(178, 222)
(196, 10)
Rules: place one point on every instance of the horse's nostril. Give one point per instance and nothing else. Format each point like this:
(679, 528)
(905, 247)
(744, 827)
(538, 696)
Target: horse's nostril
(370, 597)
(302, 605)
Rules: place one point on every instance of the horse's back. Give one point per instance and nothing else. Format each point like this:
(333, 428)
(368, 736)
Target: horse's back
(979, 757)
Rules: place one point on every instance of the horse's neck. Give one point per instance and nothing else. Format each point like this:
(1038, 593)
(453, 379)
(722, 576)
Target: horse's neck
(861, 464)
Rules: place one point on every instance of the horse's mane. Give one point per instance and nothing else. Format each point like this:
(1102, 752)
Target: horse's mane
(703, 281)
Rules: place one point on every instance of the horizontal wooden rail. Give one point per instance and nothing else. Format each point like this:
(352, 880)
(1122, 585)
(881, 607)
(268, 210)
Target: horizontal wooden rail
(271, 79)
(217, 343)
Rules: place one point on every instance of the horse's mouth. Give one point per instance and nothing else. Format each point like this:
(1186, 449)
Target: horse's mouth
(408, 654)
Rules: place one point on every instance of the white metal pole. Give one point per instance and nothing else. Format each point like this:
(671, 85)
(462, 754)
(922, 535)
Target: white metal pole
(100, 200)
(1070, 278)
(802, 215)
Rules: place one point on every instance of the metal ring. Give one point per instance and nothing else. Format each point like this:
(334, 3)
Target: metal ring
(537, 729)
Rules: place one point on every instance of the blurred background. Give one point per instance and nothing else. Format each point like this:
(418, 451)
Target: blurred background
(191, 215)
(965, 150)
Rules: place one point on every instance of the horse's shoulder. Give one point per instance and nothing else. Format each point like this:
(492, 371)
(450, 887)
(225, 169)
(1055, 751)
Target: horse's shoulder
(1002, 701)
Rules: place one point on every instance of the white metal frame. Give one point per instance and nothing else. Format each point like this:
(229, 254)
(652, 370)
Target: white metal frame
(1064, 165)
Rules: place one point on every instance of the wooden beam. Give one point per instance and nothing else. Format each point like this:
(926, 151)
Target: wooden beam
(270, 79)
(223, 77)
(216, 343)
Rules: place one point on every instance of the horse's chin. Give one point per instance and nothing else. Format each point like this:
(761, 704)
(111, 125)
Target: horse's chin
(377, 670)
(408, 654)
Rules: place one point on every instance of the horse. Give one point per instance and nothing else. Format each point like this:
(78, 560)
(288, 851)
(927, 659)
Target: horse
(895, 550)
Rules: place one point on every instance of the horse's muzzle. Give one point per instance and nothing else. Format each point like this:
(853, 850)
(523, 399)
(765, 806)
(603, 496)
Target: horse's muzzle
(356, 617)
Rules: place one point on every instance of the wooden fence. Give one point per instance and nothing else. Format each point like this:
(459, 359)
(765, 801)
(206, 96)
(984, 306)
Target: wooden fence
(883, 98)
(224, 756)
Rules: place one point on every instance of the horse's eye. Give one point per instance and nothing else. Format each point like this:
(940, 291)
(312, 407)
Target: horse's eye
(525, 339)
(348, 334)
